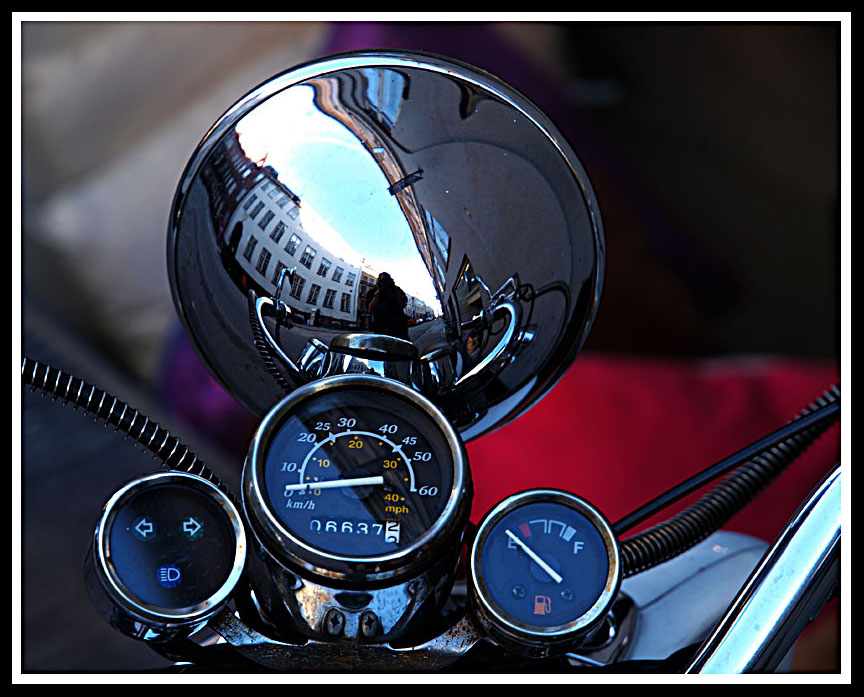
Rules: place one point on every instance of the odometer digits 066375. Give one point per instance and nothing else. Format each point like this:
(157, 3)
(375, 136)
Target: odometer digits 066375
(355, 472)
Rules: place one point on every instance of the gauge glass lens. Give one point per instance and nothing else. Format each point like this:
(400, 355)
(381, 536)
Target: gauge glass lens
(544, 565)
(171, 546)
(358, 473)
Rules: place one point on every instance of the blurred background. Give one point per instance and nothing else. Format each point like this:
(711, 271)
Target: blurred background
(713, 149)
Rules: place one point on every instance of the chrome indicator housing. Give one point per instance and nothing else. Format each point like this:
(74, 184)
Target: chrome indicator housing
(167, 553)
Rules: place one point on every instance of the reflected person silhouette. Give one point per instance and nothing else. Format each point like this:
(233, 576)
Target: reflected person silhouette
(471, 350)
(387, 303)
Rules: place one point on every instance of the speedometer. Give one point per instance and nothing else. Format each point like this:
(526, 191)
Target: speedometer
(356, 478)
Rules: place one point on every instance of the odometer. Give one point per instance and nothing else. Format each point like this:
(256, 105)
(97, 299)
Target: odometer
(356, 477)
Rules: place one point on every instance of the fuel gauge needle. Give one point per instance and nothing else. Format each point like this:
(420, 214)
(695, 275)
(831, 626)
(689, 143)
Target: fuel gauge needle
(336, 483)
(530, 552)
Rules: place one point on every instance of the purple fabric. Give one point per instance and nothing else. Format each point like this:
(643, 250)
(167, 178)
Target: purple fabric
(199, 402)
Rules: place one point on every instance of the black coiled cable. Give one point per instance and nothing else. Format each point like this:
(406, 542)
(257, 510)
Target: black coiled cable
(670, 538)
(114, 411)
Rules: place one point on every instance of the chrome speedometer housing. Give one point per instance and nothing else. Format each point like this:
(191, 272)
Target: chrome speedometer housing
(427, 509)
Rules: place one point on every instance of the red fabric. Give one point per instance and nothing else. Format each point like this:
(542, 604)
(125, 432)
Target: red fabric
(619, 431)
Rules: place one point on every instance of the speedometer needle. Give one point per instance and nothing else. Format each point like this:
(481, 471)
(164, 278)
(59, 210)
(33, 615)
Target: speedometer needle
(530, 552)
(336, 483)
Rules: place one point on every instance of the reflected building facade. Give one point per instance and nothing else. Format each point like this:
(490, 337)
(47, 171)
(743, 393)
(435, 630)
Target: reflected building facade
(385, 109)
(264, 235)
(416, 309)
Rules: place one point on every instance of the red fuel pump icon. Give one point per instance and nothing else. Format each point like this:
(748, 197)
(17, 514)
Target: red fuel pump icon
(542, 604)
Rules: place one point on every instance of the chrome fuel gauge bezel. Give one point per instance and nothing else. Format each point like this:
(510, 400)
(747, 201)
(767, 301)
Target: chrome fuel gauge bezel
(536, 640)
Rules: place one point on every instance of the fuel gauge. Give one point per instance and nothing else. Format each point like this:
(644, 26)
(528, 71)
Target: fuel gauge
(544, 571)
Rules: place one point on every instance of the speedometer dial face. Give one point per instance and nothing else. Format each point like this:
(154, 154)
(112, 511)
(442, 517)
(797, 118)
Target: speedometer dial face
(357, 471)
(357, 479)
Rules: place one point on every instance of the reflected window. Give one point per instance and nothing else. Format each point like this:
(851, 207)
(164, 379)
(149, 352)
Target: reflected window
(292, 245)
(266, 185)
(283, 199)
(329, 297)
(337, 274)
(250, 201)
(263, 261)
(297, 285)
(442, 279)
(384, 91)
(256, 210)
(312, 298)
(293, 213)
(250, 247)
(273, 193)
(265, 219)
(308, 256)
(349, 281)
(278, 231)
(346, 302)
(439, 237)
(324, 268)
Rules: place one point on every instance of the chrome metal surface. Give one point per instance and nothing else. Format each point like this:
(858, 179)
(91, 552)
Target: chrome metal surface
(680, 601)
(429, 170)
(439, 540)
(374, 346)
(785, 591)
(260, 305)
(324, 612)
(435, 654)
(612, 639)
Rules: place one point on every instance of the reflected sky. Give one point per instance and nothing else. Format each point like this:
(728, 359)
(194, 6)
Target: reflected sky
(345, 202)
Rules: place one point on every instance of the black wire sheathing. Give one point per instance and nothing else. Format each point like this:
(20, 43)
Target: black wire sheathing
(669, 539)
(827, 413)
(115, 412)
